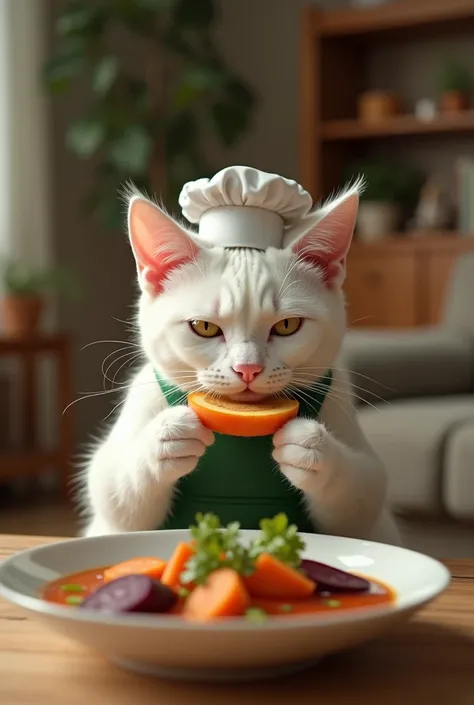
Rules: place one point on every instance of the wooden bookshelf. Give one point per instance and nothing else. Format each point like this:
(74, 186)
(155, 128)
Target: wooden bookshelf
(402, 16)
(336, 50)
(399, 126)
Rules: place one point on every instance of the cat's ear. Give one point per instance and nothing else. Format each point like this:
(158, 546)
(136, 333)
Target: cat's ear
(158, 243)
(326, 243)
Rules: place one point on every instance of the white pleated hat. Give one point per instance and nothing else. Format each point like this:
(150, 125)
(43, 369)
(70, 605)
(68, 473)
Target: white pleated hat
(244, 207)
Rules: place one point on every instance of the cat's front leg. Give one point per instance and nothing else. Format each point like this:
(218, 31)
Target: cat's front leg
(344, 487)
(132, 476)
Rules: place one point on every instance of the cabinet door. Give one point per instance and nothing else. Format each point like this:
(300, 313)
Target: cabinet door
(380, 290)
(439, 268)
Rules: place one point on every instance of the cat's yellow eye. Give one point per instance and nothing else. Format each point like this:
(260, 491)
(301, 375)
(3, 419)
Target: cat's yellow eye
(288, 326)
(205, 329)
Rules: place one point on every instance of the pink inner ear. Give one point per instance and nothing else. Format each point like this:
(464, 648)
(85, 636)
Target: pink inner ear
(326, 245)
(330, 264)
(158, 243)
(156, 275)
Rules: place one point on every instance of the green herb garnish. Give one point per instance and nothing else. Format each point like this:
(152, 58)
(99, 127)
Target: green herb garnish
(74, 600)
(256, 615)
(215, 547)
(72, 587)
(220, 547)
(184, 592)
(286, 608)
(332, 603)
(280, 539)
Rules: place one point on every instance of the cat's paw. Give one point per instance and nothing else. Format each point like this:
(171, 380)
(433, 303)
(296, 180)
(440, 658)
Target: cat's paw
(178, 440)
(300, 449)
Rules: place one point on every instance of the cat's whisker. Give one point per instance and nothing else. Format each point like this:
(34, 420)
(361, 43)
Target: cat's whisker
(337, 400)
(318, 387)
(350, 372)
(88, 395)
(130, 354)
(129, 361)
(121, 342)
(349, 386)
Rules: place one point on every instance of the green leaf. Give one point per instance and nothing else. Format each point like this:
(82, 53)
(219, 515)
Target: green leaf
(197, 80)
(104, 74)
(280, 539)
(181, 134)
(229, 122)
(256, 615)
(85, 137)
(155, 4)
(132, 151)
(215, 547)
(85, 19)
(193, 14)
(240, 94)
(61, 69)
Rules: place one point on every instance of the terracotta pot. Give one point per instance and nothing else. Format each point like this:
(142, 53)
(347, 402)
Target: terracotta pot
(375, 106)
(377, 220)
(454, 102)
(21, 315)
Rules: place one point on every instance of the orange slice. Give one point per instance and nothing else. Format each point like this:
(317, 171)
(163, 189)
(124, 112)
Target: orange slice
(236, 419)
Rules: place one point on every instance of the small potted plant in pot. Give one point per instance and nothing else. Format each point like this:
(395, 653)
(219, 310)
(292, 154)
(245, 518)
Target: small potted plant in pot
(390, 189)
(456, 86)
(24, 293)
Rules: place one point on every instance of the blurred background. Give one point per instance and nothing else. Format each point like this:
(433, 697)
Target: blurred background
(95, 92)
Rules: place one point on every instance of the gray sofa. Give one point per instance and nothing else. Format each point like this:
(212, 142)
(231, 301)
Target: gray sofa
(417, 388)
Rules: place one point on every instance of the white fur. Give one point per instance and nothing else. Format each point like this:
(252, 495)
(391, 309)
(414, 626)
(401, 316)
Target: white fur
(131, 475)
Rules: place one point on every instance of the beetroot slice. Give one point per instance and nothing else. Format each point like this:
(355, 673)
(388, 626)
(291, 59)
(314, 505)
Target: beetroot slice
(333, 580)
(131, 593)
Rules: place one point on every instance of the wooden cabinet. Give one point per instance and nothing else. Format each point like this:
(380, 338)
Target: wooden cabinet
(401, 283)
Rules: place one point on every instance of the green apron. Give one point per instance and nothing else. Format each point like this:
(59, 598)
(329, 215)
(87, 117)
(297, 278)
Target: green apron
(237, 478)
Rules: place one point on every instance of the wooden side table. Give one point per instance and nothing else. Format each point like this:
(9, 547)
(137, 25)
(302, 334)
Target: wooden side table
(32, 459)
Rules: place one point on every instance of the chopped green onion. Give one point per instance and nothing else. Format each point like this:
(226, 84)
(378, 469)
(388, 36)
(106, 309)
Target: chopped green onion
(256, 615)
(286, 608)
(332, 603)
(72, 587)
(184, 592)
(74, 600)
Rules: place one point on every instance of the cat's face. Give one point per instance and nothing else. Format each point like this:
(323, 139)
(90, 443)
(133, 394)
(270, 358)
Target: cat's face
(243, 323)
(240, 323)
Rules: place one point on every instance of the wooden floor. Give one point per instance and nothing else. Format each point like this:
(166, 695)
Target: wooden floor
(42, 515)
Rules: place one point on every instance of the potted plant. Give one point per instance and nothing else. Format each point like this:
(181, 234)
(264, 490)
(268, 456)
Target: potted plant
(24, 291)
(390, 188)
(456, 87)
(153, 119)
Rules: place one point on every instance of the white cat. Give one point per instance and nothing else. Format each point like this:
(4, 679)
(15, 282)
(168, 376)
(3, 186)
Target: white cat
(239, 295)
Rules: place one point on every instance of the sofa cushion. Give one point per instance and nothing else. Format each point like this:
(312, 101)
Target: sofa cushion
(458, 475)
(413, 363)
(411, 437)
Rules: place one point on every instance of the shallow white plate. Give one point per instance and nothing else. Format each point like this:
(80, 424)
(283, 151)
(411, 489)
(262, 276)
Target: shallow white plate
(235, 650)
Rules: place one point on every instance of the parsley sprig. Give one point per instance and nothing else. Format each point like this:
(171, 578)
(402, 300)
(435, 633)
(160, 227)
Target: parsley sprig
(280, 539)
(215, 547)
(220, 547)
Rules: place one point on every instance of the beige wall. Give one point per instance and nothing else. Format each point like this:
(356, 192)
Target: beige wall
(260, 40)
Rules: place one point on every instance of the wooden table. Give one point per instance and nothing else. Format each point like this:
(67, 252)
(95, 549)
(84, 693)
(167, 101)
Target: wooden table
(429, 660)
(32, 459)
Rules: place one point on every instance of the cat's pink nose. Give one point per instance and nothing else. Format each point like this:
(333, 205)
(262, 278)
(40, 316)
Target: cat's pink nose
(248, 372)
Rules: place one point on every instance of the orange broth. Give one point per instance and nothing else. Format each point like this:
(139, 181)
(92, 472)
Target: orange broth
(90, 580)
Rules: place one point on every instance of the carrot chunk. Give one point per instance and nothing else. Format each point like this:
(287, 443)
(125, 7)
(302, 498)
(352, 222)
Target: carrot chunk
(176, 564)
(223, 595)
(272, 578)
(152, 567)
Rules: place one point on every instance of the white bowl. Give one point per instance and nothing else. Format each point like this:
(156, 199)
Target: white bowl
(234, 650)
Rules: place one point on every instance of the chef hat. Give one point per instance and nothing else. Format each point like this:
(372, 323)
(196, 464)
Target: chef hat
(244, 207)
